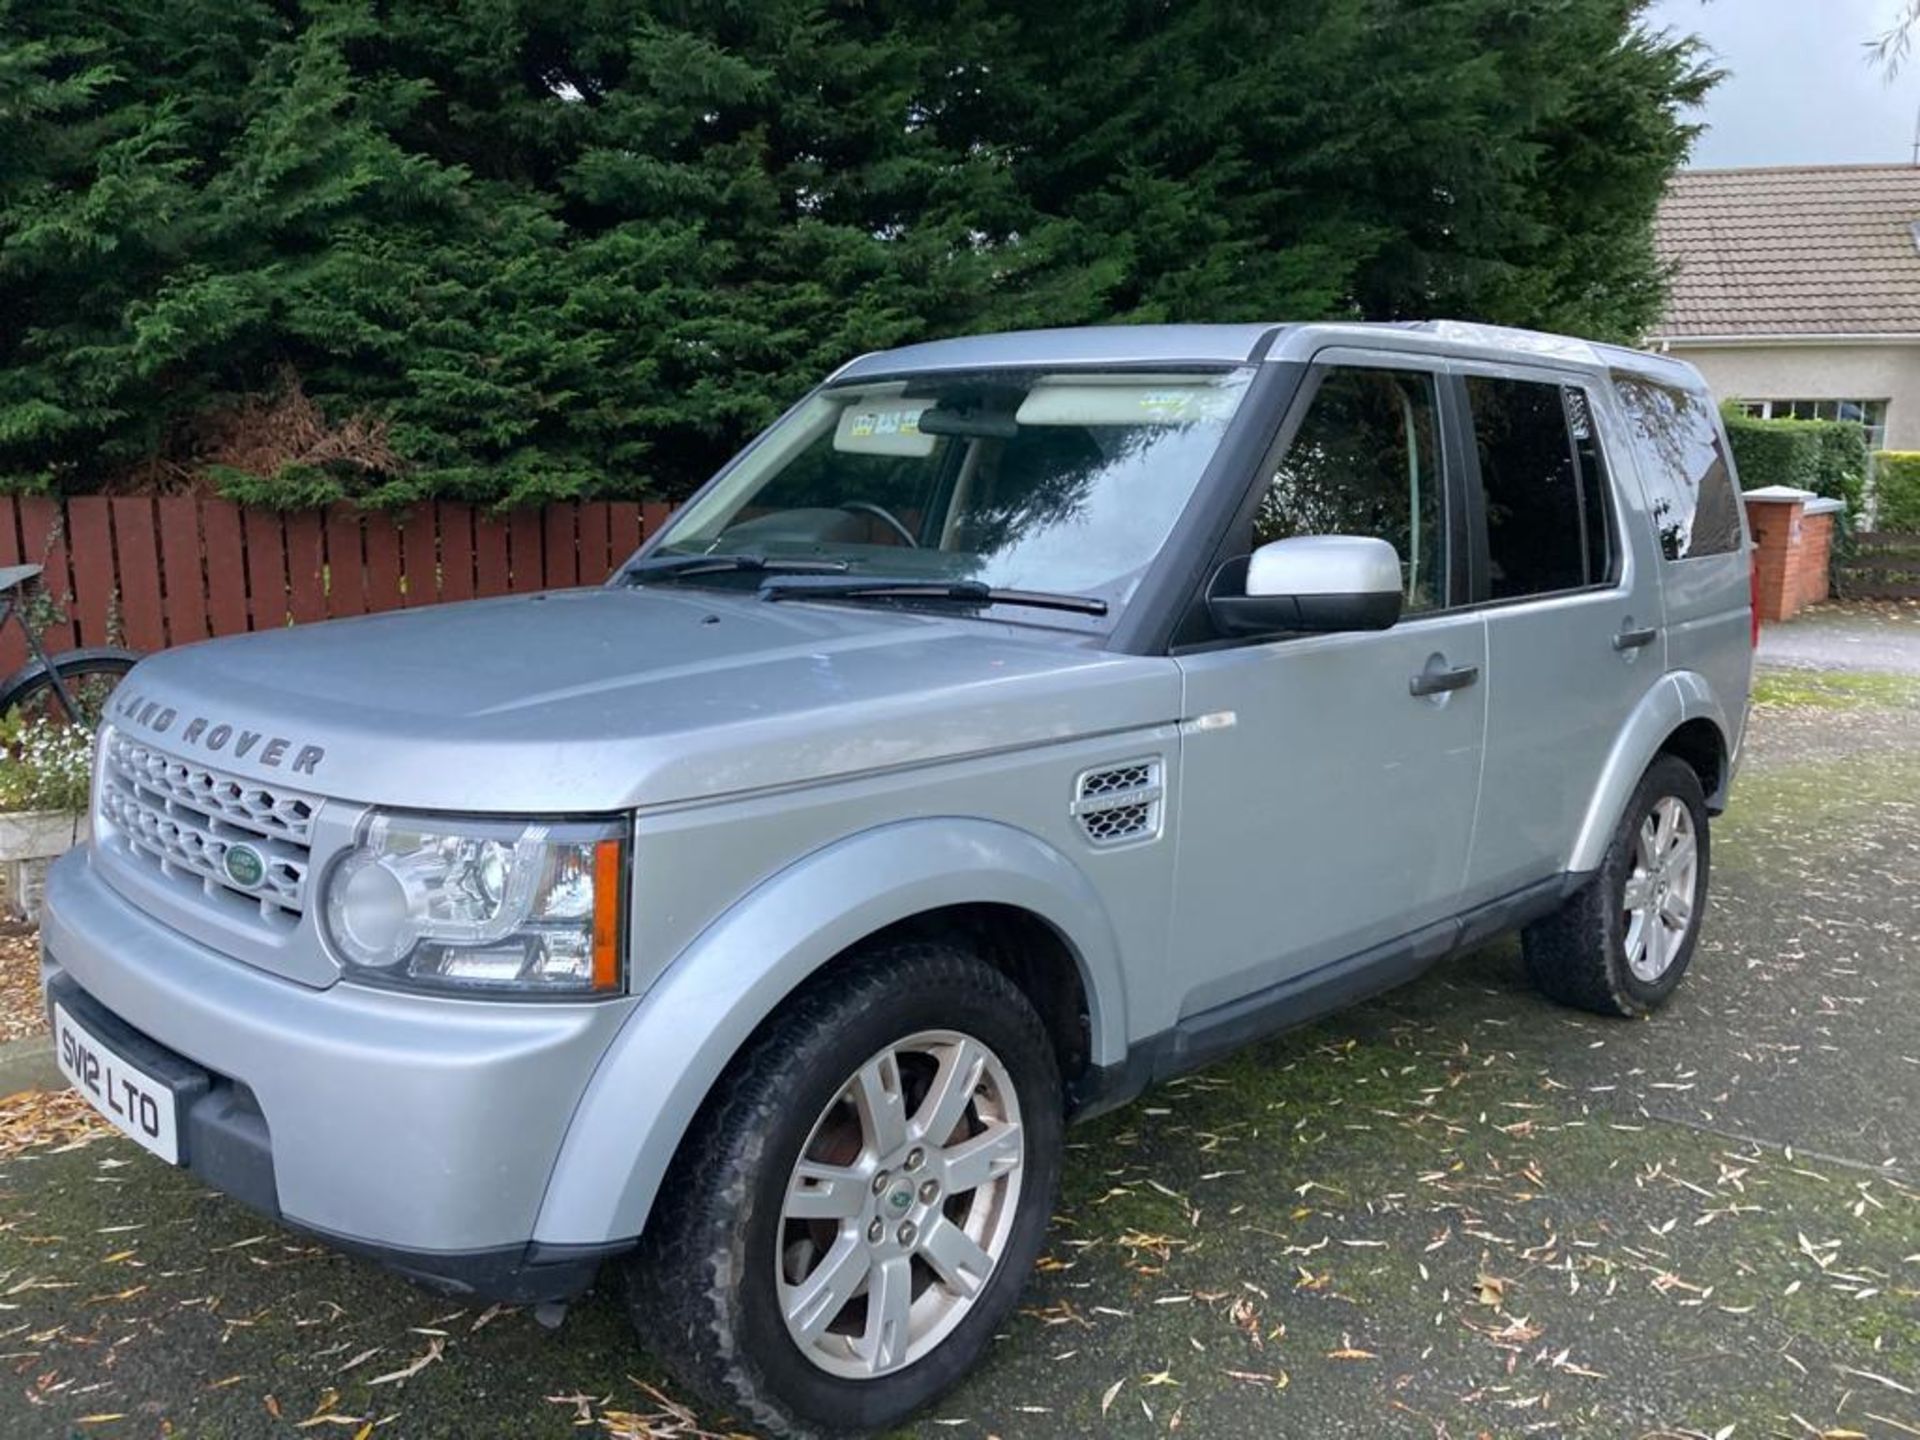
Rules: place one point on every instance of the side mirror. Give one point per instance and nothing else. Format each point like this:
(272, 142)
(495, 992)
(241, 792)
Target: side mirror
(1314, 583)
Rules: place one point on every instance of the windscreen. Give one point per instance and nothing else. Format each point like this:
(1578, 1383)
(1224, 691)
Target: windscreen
(1031, 480)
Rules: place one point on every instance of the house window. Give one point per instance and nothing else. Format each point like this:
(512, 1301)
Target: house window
(1870, 413)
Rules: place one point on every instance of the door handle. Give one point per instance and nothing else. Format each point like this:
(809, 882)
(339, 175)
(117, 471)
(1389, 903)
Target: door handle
(1437, 682)
(1627, 640)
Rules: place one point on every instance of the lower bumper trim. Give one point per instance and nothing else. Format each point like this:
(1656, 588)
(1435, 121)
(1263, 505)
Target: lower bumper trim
(529, 1274)
(225, 1142)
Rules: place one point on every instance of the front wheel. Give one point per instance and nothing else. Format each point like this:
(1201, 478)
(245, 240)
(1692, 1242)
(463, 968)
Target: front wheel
(863, 1200)
(88, 677)
(1620, 945)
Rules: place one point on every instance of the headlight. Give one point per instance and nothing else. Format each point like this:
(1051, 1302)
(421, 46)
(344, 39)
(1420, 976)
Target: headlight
(439, 903)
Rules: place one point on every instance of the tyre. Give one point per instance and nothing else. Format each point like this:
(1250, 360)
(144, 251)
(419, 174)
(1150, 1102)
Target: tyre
(863, 1199)
(89, 677)
(1620, 945)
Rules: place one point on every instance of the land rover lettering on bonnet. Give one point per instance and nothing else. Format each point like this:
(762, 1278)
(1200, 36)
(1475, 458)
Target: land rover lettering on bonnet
(1020, 721)
(217, 735)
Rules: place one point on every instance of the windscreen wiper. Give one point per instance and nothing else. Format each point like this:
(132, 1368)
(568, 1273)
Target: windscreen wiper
(959, 592)
(674, 566)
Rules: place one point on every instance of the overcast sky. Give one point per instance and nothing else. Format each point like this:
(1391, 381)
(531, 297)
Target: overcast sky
(1800, 90)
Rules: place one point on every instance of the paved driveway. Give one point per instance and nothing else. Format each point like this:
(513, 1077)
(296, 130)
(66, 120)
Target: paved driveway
(1848, 637)
(1457, 1211)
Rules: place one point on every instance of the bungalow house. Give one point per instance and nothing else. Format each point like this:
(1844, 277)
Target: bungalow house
(1796, 291)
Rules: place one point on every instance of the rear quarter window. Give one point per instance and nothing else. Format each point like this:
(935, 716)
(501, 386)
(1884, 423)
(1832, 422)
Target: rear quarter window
(1688, 481)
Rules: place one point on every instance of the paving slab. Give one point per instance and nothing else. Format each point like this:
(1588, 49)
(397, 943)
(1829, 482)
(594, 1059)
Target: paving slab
(28, 1065)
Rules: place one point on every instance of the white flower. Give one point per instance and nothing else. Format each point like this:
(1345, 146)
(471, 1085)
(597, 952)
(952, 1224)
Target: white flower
(44, 765)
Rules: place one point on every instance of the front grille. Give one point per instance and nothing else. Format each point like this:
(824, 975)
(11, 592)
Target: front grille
(1119, 803)
(183, 818)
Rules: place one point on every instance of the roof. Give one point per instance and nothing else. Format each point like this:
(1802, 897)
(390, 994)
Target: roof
(1181, 345)
(1088, 345)
(1792, 251)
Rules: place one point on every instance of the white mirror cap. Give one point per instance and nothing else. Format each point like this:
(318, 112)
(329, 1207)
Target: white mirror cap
(1325, 565)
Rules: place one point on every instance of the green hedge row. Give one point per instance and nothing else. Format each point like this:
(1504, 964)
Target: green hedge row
(1828, 457)
(1896, 488)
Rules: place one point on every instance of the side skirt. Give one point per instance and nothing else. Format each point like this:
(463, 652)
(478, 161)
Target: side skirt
(1206, 1036)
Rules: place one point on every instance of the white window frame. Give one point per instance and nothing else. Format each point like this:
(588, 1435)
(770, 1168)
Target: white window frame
(1876, 428)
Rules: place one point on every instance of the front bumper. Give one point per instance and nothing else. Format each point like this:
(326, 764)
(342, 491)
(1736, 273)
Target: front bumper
(420, 1130)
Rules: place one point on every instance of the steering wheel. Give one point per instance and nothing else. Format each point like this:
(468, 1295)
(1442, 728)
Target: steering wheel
(885, 516)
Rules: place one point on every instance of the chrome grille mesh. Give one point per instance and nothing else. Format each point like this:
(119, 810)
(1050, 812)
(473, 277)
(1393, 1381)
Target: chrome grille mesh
(1119, 803)
(1123, 822)
(1121, 777)
(182, 818)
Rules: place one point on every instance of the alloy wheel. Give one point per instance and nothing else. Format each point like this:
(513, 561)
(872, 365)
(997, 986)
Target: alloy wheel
(901, 1205)
(1659, 896)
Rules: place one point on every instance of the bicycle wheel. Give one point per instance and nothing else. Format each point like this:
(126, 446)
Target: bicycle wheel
(88, 675)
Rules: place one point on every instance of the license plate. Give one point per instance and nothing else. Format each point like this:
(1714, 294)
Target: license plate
(133, 1100)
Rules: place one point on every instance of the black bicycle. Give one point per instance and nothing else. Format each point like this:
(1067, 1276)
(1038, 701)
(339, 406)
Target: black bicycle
(71, 687)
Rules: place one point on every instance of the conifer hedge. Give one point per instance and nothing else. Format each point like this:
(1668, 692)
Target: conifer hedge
(506, 251)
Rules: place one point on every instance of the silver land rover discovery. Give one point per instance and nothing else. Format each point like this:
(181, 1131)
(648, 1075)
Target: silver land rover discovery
(1017, 722)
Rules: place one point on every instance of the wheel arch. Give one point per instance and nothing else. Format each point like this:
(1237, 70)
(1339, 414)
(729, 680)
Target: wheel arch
(998, 886)
(1679, 716)
(1024, 946)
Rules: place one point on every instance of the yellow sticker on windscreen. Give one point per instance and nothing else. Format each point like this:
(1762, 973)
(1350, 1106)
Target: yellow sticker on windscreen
(882, 430)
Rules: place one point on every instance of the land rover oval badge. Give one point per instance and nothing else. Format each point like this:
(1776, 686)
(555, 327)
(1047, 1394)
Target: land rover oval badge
(244, 866)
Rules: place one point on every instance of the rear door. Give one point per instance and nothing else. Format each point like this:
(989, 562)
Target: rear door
(1574, 624)
(1706, 571)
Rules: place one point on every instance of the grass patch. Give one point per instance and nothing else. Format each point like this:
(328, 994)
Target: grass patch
(1833, 689)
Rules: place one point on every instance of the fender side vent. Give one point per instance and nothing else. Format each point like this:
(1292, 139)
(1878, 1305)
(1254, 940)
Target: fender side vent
(1117, 804)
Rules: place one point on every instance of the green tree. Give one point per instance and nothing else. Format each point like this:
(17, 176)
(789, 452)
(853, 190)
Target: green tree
(507, 251)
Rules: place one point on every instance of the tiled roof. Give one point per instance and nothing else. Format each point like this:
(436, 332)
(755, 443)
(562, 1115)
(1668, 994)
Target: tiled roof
(1805, 250)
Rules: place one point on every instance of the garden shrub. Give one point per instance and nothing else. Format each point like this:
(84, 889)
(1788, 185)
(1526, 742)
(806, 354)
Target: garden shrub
(1772, 452)
(1844, 460)
(1896, 488)
(1828, 457)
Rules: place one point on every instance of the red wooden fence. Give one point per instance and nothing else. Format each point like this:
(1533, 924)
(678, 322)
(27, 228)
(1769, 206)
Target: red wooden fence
(149, 572)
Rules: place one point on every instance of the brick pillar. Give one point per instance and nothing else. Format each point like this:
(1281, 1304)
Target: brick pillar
(1777, 518)
(1815, 574)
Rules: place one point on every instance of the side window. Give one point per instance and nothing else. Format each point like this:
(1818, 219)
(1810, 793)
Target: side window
(1689, 486)
(1545, 487)
(1366, 461)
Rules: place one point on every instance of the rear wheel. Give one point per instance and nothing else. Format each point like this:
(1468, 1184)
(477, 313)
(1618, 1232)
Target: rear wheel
(862, 1206)
(88, 676)
(1620, 946)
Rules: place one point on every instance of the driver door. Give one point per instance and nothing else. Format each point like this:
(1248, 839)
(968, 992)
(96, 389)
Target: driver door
(1324, 807)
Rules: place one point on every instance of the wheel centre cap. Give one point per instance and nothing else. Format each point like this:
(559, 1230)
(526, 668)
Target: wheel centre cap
(900, 1199)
